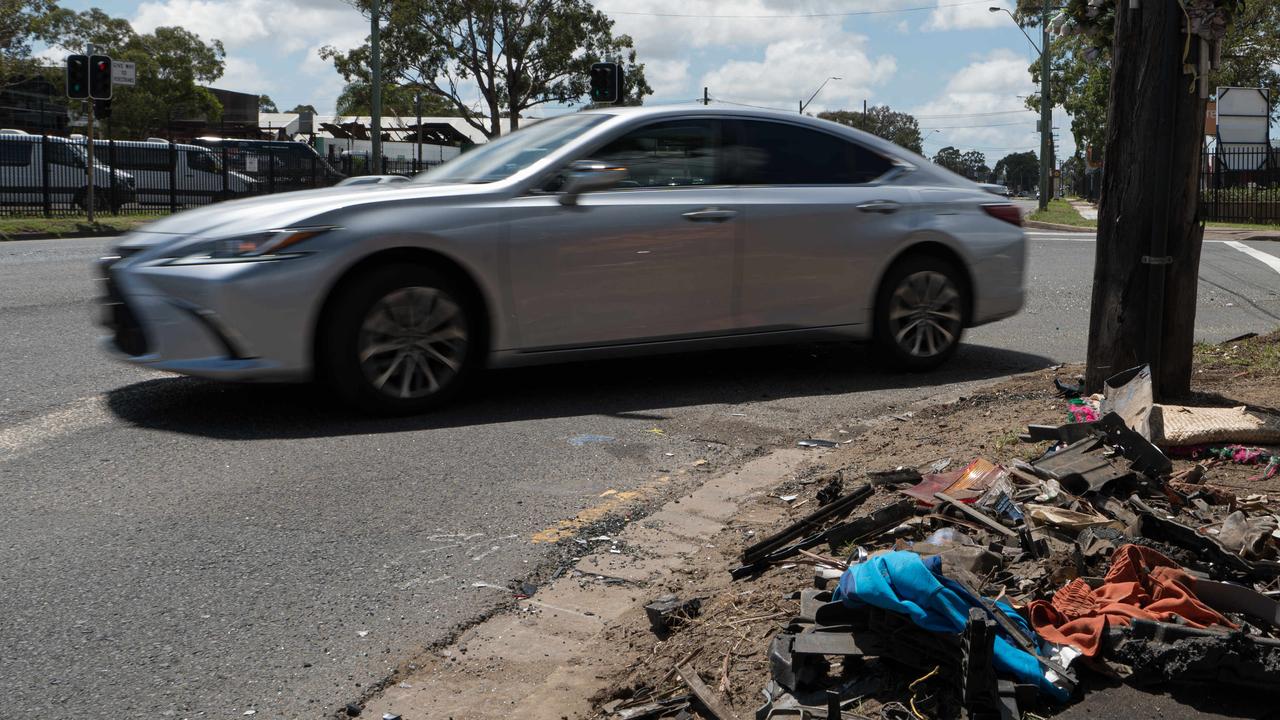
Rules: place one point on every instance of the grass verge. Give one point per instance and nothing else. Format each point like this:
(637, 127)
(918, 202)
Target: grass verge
(9, 227)
(1259, 354)
(1060, 212)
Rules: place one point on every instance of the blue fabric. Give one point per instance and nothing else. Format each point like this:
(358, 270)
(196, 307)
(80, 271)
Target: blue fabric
(903, 583)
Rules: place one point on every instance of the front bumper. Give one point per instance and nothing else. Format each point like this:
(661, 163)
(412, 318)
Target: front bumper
(203, 321)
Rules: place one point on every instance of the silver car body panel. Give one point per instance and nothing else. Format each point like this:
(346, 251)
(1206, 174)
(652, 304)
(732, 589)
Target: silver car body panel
(623, 271)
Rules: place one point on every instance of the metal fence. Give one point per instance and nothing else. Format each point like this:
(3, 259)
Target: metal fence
(1240, 185)
(49, 176)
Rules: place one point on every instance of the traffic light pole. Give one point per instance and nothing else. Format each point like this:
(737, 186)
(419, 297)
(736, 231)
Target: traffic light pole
(1046, 114)
(89, 150)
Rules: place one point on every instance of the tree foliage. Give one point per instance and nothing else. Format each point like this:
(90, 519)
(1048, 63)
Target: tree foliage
(951, 159)
(971, 164)
(396, 100)
(1019, 171)
(515, 54)
(300, 108)
(23, 23)
(896, 127)
(266, 104)
(172, 65)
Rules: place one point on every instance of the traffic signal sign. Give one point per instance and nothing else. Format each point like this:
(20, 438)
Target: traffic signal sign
(100, 77)
(102, 109)
(77, 77)
(606, 82)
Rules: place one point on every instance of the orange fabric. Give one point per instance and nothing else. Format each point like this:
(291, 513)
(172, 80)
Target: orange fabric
(1141, 584)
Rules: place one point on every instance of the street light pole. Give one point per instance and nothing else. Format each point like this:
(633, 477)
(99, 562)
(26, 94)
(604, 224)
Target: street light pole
(1046, 107)
(375, 91)
(1046, 113)
(805, 104)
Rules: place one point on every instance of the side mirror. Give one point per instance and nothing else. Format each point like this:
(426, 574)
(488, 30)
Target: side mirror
(589, 175)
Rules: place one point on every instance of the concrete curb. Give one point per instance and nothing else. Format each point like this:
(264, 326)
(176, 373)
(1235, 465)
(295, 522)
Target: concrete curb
(61, 236)
(1036, 224)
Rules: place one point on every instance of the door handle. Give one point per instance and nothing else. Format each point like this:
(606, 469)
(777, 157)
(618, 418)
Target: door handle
(710, 215)
(880, 206)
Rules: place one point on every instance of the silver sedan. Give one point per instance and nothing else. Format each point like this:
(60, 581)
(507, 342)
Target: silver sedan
(599, 233)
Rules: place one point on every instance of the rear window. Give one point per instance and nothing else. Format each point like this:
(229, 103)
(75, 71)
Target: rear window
(775, 153)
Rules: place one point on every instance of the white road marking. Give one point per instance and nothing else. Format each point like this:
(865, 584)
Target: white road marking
(25, 437)
(1270, 261)
(1085, 238)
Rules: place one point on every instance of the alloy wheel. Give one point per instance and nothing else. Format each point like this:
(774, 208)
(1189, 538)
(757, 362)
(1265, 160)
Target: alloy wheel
(924, 314)
(413, 342)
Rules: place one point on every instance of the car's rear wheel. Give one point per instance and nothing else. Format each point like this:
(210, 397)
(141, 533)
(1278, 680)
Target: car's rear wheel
(400, 340)
(920, 312)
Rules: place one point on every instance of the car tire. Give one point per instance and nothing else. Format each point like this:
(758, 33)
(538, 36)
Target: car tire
(921, 311)
(400, 340)
(100, 201)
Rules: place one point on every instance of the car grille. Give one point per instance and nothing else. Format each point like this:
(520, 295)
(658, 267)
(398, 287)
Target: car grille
(117, 316)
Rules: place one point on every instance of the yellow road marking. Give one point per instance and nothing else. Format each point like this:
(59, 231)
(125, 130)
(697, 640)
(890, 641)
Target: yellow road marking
(614, 501)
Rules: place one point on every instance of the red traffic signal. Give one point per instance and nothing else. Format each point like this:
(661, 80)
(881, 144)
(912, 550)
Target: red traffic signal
(100, 77)
(77, 77)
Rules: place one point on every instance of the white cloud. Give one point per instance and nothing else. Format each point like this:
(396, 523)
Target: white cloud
(980, 108)
(268, 42)
(951, 16)
(792, 69)
(904, 27)
(667, 77)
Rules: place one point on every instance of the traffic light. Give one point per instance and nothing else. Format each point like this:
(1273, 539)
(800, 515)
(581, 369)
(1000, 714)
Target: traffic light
(77, 77)
(606, 82)
(102, 109)
(100, 77)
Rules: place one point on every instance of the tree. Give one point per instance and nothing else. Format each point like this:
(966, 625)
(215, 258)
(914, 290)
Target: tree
(172, 65)
(1019, 171)
(975, 166)
(1147, 256)
(266, 104)
(304, 109)
(517, 54)
(396, 100)
(23, 23)
(896, 127)
(951, 159)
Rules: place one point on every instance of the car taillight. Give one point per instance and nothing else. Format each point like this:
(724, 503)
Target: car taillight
(1008, 213)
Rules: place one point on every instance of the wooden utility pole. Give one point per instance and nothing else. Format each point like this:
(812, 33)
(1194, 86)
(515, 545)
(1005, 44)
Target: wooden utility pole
(375, 90)
(1149, 236)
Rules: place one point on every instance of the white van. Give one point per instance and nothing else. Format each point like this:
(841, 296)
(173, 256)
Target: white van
(195, 173)
(33, 165)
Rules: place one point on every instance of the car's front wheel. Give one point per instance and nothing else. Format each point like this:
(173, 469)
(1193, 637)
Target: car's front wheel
(920, 312)
(400, 340)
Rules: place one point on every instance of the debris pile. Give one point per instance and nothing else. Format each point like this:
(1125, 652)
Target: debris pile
(989, 589)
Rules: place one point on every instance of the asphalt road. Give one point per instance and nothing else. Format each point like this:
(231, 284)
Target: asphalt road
(178, 548)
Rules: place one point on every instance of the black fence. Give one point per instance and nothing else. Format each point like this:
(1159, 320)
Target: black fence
(49, 176)
(1240, 185)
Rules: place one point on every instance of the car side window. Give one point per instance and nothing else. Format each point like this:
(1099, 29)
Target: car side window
(670, 153)
(776, 153)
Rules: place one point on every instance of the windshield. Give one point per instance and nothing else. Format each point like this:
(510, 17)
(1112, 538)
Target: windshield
(508, 155)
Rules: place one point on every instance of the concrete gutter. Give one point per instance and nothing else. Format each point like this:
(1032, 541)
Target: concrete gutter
(1036, 224)
(105, 232)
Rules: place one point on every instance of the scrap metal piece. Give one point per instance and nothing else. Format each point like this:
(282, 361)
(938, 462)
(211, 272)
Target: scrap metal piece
(1082, 467)
(705, 697)
(653, 710)
(1229, 597)
(1163, 652)
(669, 611)
(885, 518)
(973, 514)
(895, 476)
(807, 524)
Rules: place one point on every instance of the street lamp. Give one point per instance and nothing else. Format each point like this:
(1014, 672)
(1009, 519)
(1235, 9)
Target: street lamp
(1046, 119)
(805, 104)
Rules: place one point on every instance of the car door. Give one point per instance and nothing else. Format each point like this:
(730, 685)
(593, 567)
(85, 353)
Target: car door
(651, 259)
(816, 223)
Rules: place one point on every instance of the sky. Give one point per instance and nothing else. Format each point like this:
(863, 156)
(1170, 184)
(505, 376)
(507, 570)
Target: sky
(959, 68)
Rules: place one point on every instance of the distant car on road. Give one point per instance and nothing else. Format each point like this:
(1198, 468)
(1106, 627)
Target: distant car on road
(373, 180)
(601, 233)
(994, 189)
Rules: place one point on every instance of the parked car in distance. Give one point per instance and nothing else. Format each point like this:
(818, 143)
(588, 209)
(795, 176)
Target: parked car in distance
(600, 233)
(35, 167)
(282, 164)
(194, 174)
(994, 189)
(373, 180)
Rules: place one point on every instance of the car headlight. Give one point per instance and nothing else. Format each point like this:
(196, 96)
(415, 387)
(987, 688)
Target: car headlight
(261, 246)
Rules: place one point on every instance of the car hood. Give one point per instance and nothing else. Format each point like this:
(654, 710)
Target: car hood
(284, 210)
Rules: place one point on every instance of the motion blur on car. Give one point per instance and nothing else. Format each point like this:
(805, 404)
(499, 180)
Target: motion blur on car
(593, 234)
(372, 180)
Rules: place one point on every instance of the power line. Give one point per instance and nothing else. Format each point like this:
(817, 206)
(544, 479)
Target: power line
(742, 104)
(796, 15)
(966, 115)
